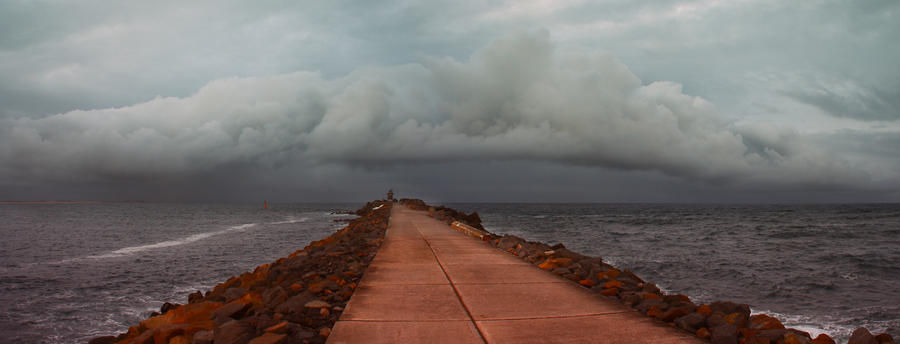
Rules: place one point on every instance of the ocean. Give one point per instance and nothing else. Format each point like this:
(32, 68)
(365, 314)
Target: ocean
(819, 268)
(70, 272)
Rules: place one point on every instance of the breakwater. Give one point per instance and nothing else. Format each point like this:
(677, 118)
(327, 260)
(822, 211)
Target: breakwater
(722, 322)
(293, 299)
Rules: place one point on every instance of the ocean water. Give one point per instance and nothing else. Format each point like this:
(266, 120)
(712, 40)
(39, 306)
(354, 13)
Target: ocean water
(71, 272)
(820, 268)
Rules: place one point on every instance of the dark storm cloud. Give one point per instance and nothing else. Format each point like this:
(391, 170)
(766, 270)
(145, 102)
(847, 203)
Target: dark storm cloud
(516, 99)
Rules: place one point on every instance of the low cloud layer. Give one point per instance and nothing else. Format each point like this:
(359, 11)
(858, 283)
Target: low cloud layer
(517, 99)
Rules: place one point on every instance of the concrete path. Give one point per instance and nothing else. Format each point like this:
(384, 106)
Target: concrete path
(432, 284)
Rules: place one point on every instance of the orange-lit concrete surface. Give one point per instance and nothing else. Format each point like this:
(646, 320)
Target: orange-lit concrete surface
(432, 284)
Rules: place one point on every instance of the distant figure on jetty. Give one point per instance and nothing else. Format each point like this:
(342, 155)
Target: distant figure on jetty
(265, 204)
(390, 195)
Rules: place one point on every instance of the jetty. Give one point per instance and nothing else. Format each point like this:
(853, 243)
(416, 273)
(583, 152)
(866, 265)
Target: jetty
(430, 283)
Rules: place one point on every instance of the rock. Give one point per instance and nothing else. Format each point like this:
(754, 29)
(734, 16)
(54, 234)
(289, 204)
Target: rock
(195, 297)
(317, 304)
(609, 292)
(103, 340)
(232, 332)
(823, 339)
(232, 310)
(203, 337)
(180, 339)
(167, 306)
(691, 322)
(645, 305)
(232, 294)
(764, 322)
(295, 303)
(703, 333)
(269, 338)
(507, 242)
(566, 253)
(325, 332)
(793, 338)
(884, 338)
(612, 284)
(862, 336)
(274, 296)
(722, 334)
(677, 312)
(324, 284)
(704, 310)
(730, 307)
(586, 282)
(281, 327)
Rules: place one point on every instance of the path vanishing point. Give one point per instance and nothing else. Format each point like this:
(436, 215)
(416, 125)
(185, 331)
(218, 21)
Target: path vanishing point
(432, 284)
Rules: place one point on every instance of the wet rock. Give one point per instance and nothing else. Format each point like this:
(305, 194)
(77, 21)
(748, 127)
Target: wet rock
(727, 307)
(232, 310)
(691, 322)
(317, 304)
(704, 310)
(795, 338)
(167, 306)
(823, 339)
(862, 336)
(764, 322)
(677, 312)
(195, 297)
(103, 340)
(722, 334)
(282, 327)
(885, 338)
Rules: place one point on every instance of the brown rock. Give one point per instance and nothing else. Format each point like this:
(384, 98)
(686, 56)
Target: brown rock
(862, 336)
(274, 296)
(704, 310)
(730, 307)
(203, 337)
(295, 303)
(691, 322)
(231, 294)
(703, 333)
(232, 332)
(654, 312)
(180, 339)
(609, 292)
(269, 338)
(586, 282)
(722, 334)
(232, 310)
(325, 332)
(823, 339)
(167, 307)
(612, 284)
(674, 313)
(764, 322)
(281, 327)
(884, 338)
(195, 297)
(792, 338)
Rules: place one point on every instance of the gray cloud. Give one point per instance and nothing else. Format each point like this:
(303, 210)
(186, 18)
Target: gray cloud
(519, 98)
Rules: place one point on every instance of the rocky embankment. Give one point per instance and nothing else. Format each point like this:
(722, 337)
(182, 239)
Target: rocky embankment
(295, 299)
(719, 322)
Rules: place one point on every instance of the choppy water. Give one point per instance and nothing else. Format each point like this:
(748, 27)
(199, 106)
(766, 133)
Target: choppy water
(69, 273)
(821, 268)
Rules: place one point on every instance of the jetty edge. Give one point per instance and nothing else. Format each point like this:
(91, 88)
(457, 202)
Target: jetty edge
(720, 322)
(295, 299)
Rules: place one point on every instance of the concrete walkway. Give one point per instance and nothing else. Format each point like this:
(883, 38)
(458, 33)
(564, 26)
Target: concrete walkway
(432, 284)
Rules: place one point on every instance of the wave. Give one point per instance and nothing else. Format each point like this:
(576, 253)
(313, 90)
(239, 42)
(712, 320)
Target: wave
(291, 220)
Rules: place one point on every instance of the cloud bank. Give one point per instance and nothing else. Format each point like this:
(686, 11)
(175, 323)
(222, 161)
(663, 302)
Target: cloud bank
(517, 99)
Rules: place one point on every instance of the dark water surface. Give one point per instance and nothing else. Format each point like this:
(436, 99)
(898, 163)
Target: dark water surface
(69, 273)
(821, 268)
(72, 272)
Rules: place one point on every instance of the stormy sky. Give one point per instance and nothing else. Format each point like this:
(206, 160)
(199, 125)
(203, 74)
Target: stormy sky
(578, 101)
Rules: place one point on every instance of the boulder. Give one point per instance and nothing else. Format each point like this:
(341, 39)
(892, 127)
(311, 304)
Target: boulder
(722, 334)
(203, 337)
(730, 307)
(794, 338)
(764, 322)
(232, 294)
(195, 297)
(167, 306)
(862, 336)
(691, 322)
(103, 340)
(295, 303)
(274, 296)
(884, 338)
(823, 339)
(233, 332)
